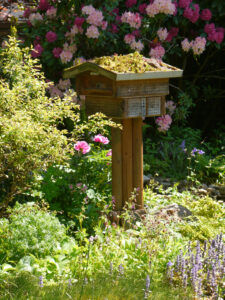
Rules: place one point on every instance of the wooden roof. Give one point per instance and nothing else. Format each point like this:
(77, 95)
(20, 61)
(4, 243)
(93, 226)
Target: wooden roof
(97, 70)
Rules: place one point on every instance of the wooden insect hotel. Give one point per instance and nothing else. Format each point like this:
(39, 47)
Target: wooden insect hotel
(127, 97)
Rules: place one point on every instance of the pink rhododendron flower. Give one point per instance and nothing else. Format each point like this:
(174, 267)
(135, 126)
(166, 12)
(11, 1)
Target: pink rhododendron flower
(57, 51)
(219, 36)
(162, 34)
(142, 8)
(79, 21)
(64, 84)
(114, 28)
(109, 153)
(88, 9)
(133, 19)
(130, 3)
(136, 33)
(160, 6)
(104, 25)
(82, 146)
(37, 51)
(170, 105)
(172, 33)
(35, 18)
(206, 14)
(139, 46)
(51, 12)
(92, 32)
(51, 36)
(192, 14)
(184, 3)
(129, 38)
(55, 92)
(101, 139)
(186, 45)
(209, 28)
(27, 13)
(95, 18)
(158, 52)
(44, 5)
(198, 45)
(164, 123)
(71, 48)
(66, 56)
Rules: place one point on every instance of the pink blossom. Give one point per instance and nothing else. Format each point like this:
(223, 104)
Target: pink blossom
(104, 25)
(206, 14)
(116, 11)
(186, 45)
(184, 3)
(56, 52)
(37, 40)
(109, 153)
(170, 105)
(101, 139)
(172, 33)
(198, 45)
(55, 92)
(35, 18)
(95, 18)
(162, 34)
(92, 32)
(51, 36)
(70, 186)
(139, 46)
(118, 19)
(66, 56)
(192, 14)
(44, 5)
(133, 19)
(88, 9)
(209, 28)
(79, 21)
(27, 13)
(136, 33)
(164, 123)
(114, 28)
(37, 51)
(161, 6)
(158, 52)
(51, 12)
(219, 36)
(64, 84)
(142, 8)
(129, 38)
(82, 146)
(130, 3)
(71, 48)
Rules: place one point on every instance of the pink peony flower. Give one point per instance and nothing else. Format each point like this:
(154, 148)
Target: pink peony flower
(164, 123)
(56, 52)
(162, 34)
(142, 8)
(158, 52)
(37, 51)
(51, 36)
(109, 153)
(79, 21)
(44, 5)
(206, 14)
(66, 56)
(82, 146)
(101, 139)
(92, 32)
(130, 3)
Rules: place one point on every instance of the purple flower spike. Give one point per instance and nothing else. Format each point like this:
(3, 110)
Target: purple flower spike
(41, 281)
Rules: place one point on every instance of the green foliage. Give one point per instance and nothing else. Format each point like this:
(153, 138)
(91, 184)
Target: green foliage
(31, 230)
(29, 138)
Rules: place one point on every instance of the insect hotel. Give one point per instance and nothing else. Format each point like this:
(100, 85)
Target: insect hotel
(128, 89)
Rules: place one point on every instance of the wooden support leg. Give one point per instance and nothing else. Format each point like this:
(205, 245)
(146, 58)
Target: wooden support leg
(127, 160)
(117, 176)
(137, 145)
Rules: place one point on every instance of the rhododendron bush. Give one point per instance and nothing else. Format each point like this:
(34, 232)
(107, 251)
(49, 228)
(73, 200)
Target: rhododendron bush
(64, 34)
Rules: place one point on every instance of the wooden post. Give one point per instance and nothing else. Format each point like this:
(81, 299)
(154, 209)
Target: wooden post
(137, 145)
(127, 160)
(117, 176)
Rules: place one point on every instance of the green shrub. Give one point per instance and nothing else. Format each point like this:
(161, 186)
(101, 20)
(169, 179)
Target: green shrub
(31, 230)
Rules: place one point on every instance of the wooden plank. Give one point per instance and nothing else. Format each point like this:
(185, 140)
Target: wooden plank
(148, 75)
(117, 175)
(163, 105)
(113, 108)
(137, 159)
(142, 88)
(127, 160)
